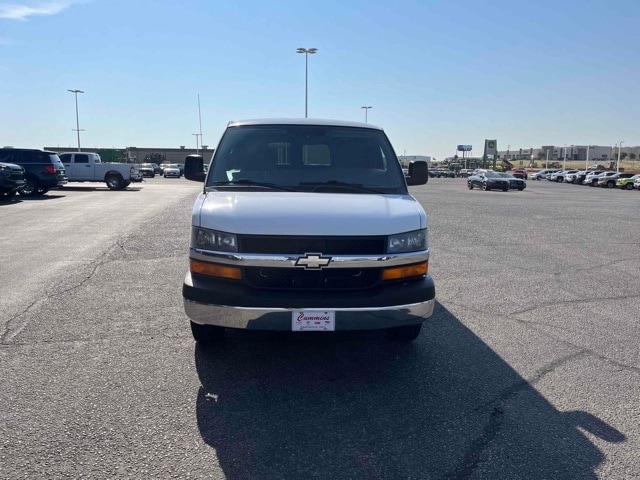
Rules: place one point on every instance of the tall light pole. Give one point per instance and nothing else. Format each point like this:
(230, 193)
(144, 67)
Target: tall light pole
(618, 162)
(200, 119)
(77, 129)
(547, 165)
(586, 160)
(197, 144)
(306, 52)
(564, 162)
(366, 110)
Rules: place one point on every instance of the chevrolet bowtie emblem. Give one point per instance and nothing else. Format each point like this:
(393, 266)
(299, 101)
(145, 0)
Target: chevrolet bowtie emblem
(313, 261)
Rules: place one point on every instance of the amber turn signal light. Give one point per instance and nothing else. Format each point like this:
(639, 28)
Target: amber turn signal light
(397, 273)
(215, 270)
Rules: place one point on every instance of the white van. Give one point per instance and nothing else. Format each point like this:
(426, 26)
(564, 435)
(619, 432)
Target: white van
(307, 225)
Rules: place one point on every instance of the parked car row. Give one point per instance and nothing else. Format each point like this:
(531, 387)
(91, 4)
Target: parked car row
(593, 178)
(441, 172)
(150, 170)
(42, 170)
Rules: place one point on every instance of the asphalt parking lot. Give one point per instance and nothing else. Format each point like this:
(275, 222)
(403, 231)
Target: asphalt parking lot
(529, 368)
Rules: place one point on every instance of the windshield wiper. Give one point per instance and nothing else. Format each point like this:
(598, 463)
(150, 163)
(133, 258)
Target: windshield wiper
(337, 183)
(246, 181)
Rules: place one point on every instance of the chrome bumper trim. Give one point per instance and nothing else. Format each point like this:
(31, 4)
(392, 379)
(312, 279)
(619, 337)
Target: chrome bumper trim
(280, 319)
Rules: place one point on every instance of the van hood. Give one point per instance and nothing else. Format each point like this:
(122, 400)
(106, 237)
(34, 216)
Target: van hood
(301, 213)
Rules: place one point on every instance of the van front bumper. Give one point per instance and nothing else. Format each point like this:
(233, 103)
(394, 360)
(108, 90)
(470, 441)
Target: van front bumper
(237, 306)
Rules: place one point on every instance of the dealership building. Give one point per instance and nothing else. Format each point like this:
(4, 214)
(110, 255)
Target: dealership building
(149, 154)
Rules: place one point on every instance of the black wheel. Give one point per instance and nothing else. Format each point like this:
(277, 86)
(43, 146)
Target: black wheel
(520, 189)
(407, 333)
(505, 189)
(152, 175)
(610, 184)
(30, 188)
(7, 195)
(115, 182)
(470, 185)
(485, 187)
(42, 191)
(629, 186)
(207, 334)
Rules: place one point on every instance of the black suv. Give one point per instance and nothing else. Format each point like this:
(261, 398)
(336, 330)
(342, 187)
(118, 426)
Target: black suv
(11, 179)
(43, 169)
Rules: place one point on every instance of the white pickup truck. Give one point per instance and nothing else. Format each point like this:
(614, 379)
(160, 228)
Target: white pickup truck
(88, 167)
(307, 225)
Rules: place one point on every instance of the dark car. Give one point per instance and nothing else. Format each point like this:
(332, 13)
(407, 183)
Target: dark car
(147, 170)
(488, 180)
(11, 179)
(514, 182)
(43, 169)
(447, 173)
(157, 169)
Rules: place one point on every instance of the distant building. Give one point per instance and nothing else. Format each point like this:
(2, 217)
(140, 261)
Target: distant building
(406, 159)
(145, 154)
(553, 152)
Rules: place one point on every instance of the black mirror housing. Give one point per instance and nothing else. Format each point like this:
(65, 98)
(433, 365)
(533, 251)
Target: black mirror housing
(194, 168)
(418, 173)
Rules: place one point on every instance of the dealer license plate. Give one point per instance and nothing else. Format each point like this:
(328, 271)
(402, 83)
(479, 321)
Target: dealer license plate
(313, 321)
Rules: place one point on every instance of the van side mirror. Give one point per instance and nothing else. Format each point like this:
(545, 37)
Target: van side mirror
(194, 168)
(418, 173)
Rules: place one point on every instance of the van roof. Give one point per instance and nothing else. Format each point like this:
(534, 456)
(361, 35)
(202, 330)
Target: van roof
(302, 121)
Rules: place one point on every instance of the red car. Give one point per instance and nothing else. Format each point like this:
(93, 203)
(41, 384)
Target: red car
(520, 173)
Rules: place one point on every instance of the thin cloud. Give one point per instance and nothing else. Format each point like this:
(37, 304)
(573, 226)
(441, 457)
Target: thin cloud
(15, 11)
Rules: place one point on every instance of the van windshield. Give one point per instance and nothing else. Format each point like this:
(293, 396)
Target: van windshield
(317, 158)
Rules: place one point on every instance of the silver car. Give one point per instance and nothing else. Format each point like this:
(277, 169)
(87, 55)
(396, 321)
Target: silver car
(171, 170)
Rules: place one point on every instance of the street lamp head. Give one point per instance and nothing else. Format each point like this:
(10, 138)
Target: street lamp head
(75, 91)
(306, 50)
(366, 107)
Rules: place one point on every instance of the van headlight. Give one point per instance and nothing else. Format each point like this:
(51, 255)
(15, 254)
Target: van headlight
(213, 240)
(408, 242)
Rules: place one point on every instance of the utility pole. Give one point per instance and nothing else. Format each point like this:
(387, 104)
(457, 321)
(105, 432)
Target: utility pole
(77, 129)
(366, 110)
(618, 162)
(200, 119)
(307, 52)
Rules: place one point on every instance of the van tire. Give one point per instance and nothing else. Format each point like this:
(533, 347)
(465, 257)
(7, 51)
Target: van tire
(407, 333)
(207, 334)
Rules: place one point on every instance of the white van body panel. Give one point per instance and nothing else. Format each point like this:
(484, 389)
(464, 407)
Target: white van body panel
(300, 213)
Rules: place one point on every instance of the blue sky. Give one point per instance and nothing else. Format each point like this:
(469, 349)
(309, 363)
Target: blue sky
(437, 73)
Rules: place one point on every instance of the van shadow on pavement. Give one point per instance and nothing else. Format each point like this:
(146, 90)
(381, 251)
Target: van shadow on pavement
(354, 405)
